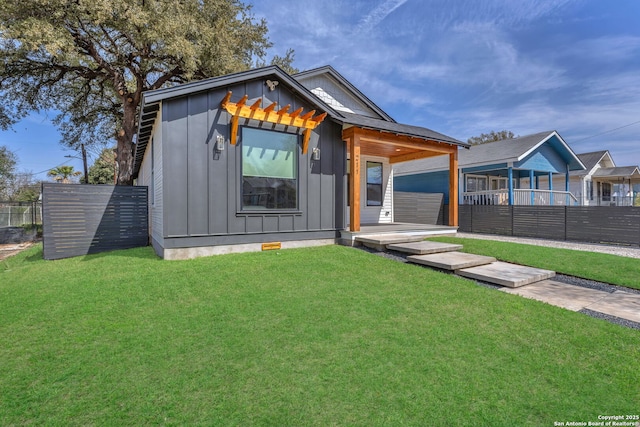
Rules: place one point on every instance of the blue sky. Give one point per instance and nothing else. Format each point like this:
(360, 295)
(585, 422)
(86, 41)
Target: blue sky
(460, 67)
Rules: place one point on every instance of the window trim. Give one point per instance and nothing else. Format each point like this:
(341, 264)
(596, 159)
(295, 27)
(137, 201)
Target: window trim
(466, 182)
(241, 210)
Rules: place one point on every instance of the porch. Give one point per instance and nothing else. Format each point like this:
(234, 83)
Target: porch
(397, 229)
(393, 143)
(521, 197)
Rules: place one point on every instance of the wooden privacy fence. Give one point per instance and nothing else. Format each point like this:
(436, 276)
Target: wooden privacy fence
(85, 219)
(599, 224)
(418, 208)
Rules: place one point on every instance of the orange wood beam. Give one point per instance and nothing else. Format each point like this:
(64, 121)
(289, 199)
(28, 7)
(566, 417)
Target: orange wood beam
(305, 140)
(354, 184)
(405, 141)
(453, 189)
(418, 144)
(270, 108)
(234, 130)
(413, 156)
(269, 114)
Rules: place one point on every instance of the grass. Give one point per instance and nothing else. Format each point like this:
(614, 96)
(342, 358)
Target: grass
(606, 268)
(317, 336)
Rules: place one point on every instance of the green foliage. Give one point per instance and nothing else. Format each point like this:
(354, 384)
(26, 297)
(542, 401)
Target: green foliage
(103, 169)
(285, 62)
(91, 60)
(318, 336)
(491, 137)
(63, 174)
(7, 170)
(27, 194)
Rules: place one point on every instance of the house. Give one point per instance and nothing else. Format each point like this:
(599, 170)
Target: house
(518, 171)
(602, 183)
(260, 157)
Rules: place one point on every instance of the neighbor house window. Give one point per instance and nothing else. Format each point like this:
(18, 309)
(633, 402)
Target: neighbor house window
(476, 183)
(269, 170)
(606, 192)
(374, 184)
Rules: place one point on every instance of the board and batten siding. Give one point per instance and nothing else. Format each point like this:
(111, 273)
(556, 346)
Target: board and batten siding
(151, 176)
(202, 187)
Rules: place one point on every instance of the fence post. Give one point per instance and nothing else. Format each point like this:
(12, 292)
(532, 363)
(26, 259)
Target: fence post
(566, 213)
(512, 215)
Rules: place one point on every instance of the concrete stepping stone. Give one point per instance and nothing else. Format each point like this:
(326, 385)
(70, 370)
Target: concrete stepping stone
(424, 247)
(451, 260)
(625, 305)
(505, 274)
(571, 297)
(380, 241)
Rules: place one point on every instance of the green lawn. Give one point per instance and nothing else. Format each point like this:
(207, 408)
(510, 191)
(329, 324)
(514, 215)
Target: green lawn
(606, 268)
(318, 336)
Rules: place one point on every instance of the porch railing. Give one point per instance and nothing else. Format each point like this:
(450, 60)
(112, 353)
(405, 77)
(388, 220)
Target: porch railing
(521, 197)
(616, 201)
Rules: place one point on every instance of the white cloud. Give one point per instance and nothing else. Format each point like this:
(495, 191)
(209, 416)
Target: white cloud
(378, 14)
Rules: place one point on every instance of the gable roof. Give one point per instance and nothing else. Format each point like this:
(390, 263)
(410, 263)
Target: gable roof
(505, 151)
(590, 161)
(151, 100)
(329, 70)
(618, 172)
(398, 128)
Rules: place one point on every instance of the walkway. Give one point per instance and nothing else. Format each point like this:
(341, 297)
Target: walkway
(520, 280)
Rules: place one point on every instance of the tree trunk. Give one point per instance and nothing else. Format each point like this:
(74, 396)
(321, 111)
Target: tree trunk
(124, 151)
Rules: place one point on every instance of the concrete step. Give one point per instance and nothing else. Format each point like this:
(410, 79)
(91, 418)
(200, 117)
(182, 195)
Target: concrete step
(380, 241)
(451, 260)
(505, 274)
(625, 305)
(424, 247)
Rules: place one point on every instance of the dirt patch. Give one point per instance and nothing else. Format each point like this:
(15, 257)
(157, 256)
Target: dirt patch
(10, 249)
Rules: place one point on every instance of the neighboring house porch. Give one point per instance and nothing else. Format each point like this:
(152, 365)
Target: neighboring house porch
(603, 183)
(519, 171)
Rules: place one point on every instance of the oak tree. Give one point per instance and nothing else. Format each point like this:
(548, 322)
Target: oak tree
(91, 60)
(491, 137)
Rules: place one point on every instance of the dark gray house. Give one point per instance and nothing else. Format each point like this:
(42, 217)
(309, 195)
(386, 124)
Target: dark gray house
(260, 157)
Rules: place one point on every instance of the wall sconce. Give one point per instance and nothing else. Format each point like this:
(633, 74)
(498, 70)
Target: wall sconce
(316, 154)
(219, 143)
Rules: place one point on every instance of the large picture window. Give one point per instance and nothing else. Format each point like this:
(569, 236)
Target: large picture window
(269, 170)
(374, 184)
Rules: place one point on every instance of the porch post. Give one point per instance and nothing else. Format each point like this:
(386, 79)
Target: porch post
(354, 184)
(510, 184)
(551, 188)
(453, 188)
(537, 182)
(533, 196)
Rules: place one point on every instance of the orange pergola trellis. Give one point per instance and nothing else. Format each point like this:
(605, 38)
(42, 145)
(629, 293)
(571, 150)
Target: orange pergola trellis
(239, 109)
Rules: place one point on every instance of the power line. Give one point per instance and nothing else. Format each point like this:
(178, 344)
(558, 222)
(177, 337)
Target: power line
(607, 131)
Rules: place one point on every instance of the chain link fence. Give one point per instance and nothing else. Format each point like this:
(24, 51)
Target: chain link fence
(18, 214)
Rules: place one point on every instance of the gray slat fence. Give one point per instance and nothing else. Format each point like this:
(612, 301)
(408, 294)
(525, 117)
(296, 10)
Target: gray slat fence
(86, 219)
(418, 208)
(598, 224)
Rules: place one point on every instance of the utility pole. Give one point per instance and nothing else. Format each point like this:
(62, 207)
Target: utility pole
(84, 163)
